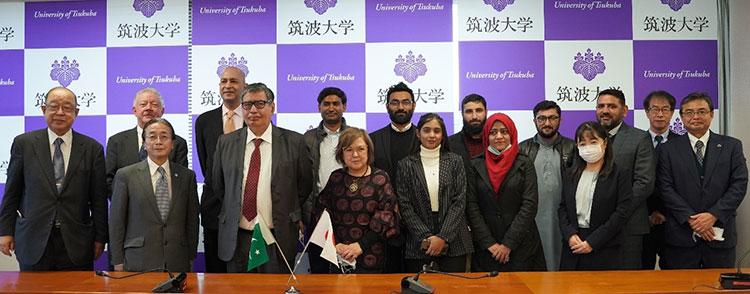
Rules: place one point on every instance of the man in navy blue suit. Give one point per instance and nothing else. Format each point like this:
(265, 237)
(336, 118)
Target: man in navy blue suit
(703, 178)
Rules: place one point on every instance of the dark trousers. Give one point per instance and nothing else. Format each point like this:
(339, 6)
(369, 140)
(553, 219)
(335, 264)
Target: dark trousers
(455, 264)
(653, 245)
(238, 264)
(211, 251)
(698, 257)
(55, 257)
(631, 252)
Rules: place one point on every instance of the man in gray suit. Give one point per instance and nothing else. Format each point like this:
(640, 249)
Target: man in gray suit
(633, 151)
(260, 171)
(126, 147)
(154, 212)
(54, 213)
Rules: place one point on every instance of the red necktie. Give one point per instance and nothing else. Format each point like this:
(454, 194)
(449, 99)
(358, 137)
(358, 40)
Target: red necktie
(250, 196)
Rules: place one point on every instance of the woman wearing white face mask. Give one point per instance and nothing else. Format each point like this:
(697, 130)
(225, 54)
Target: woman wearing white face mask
(595, 204)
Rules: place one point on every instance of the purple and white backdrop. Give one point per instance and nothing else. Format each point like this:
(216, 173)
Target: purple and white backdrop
(513, 52)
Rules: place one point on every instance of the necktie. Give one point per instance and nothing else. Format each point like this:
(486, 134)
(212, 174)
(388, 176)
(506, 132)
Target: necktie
(699, 152)
(142, 152)
(658, 140)
(250, 195)
(162, 193)
(229, 124)
(58, 162)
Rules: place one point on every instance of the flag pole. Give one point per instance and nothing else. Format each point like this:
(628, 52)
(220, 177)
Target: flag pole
(296, 264)
(280, 251)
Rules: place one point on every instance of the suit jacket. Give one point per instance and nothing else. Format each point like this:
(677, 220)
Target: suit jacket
(508, 219)
(609, 209)
(654, 202)
(139, 237)
(634, 152)
(291, 181)
(457, 146)
(719, 192)
(416, 212)
(122, 150)
(381, 140)
(32, 203)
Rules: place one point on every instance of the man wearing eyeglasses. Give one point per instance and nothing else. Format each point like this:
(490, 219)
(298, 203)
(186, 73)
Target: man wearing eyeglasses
(392, 143)
(260, 171)
(154, 212)
(54, 211)
(127, 147)
(659, 107)
(703, 179)
(633, 151)
(552, 154)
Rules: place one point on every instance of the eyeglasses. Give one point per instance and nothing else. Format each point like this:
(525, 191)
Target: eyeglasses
(551, 118)
(406, 103)
(161, 138)
(654, 110)
(259, 104)
(691, 113)
(67, 108)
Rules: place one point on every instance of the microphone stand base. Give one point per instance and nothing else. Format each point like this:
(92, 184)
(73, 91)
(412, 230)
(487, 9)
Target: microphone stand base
(292, 290)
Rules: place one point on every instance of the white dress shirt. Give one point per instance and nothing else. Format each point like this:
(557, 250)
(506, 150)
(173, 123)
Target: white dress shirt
(139, 130)
(264, 178)
(237, 118)
(585, 197)
(704, 139)
(327, 163)
(155, 175)
(664, 137)
(64, 147)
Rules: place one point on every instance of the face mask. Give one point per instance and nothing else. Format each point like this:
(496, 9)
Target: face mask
(493, 150)
(591, 153)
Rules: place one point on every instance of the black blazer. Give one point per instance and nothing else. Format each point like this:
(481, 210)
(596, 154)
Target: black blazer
(509, 218)
(719, 192)
(122, 150)
(609, 209)
(81, 207)
(654, 202)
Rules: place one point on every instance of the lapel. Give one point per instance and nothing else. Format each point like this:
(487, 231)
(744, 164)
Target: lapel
(421, 179)
(687, 157)
(144, 174)
(276, 149)
(239, 137)
(444, 165)
(482, 171)
(621, 138)
(130, 145)
(77, 151)
(385, 145)
(713, 150)
(177, 183)
(42, 151)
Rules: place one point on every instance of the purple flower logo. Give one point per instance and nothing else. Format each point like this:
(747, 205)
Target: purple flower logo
(410, 67)
(320, 6)
(589, 65)
(232, 61)
(677, 127)
(675, 4)
(64, 71)
(499, 5)
(148, 7)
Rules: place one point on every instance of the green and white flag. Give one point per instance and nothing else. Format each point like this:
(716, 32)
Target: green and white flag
(262, 237)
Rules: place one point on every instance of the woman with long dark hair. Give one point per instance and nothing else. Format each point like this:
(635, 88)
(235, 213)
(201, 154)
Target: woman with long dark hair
(432, 198)
(595, 203)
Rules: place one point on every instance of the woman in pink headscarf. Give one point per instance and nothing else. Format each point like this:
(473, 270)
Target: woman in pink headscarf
(502, 202)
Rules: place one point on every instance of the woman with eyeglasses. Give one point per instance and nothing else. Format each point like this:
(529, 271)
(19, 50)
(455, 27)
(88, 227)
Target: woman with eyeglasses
(502, 202)
(595, 202)
(432, 198)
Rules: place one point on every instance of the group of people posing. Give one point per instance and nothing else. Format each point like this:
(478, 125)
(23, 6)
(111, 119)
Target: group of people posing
(401, 198)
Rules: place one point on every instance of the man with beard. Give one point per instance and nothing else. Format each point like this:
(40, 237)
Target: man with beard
(468, 142)
(393, 143)
(208, 127)
(322, 142)
(633, 151)
(551, 152)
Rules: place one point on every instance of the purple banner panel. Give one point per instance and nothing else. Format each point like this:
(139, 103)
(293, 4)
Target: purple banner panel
(66, 24)
(2, 190)
(588, 20)
(512, 81)
(196, 162)
(325, 65)
(132, 69)
(93, 126)
(376, 121)
(11, 82)
(678, 67)
(417, 21)
(234, 22)
(571, 119)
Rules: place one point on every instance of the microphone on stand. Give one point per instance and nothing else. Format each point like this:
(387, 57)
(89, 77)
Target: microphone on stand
(736, 280)
(175, 284)
(411, 284)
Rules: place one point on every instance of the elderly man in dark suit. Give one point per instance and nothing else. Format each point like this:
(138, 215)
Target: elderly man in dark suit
(208, 127)
(54, 213)
(634, 152)
(703, 179)
(126, 147)
(260, 171)
(154, 213)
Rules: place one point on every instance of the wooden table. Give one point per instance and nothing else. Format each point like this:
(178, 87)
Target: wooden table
(680, 281)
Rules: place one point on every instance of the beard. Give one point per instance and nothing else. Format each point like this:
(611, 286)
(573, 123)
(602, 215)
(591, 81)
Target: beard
(471, 129)
(545, 135)
(400, 117)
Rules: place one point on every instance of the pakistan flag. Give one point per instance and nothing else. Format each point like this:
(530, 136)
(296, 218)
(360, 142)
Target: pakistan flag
(258, 254)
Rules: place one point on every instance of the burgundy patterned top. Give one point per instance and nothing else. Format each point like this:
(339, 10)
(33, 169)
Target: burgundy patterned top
(366, 214)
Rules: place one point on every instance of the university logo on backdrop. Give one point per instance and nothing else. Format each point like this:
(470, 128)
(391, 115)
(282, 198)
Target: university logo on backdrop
(64, 71)
(499, 5)
(148, 7)
(320, 6)
(410, 67)
(675, 5)
(588, 65)
(232, 61)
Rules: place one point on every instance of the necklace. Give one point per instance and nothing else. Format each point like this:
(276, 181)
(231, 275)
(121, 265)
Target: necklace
(354, 186)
